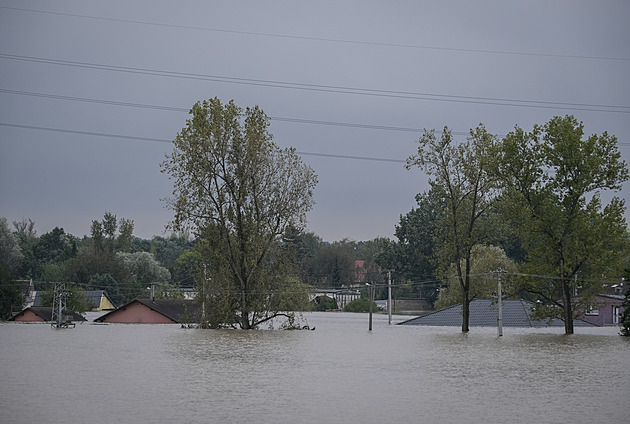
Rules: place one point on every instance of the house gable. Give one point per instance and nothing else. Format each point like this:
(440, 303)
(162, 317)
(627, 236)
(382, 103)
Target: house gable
(28, 315)
(146, 311)
(136, 312)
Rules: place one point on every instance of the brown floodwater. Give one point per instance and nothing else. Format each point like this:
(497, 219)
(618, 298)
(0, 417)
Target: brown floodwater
(340, 372)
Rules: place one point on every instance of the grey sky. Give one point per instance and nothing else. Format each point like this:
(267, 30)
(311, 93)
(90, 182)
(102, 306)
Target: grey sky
(79, 66)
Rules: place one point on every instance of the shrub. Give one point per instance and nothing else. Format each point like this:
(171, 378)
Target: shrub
(360, 305)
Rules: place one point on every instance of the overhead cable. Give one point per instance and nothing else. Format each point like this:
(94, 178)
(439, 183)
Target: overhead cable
(328, 88)
(325, 39)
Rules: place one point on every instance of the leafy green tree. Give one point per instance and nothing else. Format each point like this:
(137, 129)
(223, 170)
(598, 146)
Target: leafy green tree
(459, 179)
(360, 305)
(187, 267)
(125, 234)
(108, 283)
(411, 256)
(10, 252)
(11, 299)
(98, 238)
(369, 252)
(483, 284)
(110, 223)
(27, 238)
(240, 192)
(553, 178)
(333, 264)
(168, 249)
(144, 269)
(76, 302)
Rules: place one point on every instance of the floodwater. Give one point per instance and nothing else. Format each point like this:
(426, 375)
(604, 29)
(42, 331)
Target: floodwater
(340, 372)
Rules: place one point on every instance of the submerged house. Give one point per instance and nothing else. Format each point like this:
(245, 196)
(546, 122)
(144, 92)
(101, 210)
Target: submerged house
(605, 310)
(158, 311)
(99, 300)
(485, 313)
(44, 314)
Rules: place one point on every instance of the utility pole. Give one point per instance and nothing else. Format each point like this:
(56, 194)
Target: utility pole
(371, 286)
(500, 300)
(203, 295)
(389, 295)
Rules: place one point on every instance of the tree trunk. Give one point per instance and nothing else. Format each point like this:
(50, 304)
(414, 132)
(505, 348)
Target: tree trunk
(465, 312)
(568, 310)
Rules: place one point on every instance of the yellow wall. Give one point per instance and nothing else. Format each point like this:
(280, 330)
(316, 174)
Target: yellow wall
(106, 305)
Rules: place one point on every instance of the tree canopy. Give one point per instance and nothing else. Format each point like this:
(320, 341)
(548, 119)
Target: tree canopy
(459, 179)
(553, 178)
(240, 192)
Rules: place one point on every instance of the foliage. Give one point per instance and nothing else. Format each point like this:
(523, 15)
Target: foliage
(360, 305)
(11, 299)
(109, 284)
(105, 237)
(333, 264)
(187, 266)
(483, 283)
(325, 303)
(168, 249)
(144, 268)
(553, 178)
(76, 302)
(412, 255)
(459, 179)
(10, 252)
(240, 192)
(27, 238)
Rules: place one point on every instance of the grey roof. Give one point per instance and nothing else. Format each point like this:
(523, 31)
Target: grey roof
(485, 313)
(92, 296)
(174, 309)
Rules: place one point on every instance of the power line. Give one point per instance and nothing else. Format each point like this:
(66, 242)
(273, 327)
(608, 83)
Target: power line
(329, 88)
(324, 39)
(186, 110)
(162, 140)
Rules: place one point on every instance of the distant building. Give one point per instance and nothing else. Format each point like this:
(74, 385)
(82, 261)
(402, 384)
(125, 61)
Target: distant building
(342, 296)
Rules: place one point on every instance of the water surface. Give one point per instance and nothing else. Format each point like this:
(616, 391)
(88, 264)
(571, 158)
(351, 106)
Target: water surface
(338, 373)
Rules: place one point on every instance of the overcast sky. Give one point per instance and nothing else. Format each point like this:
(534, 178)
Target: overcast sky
(92, 93)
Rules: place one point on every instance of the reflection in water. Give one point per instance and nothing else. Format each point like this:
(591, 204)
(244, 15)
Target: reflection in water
(340, 372)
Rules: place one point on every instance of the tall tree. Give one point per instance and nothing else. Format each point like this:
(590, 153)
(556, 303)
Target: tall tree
(484, 260)
(333, 264)
(11, 298)
(10, 252)
(553, 178)
(240, 191)
(110, 224)
(27, 238)
(126, 233)
(459, 177)
(412, 254)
